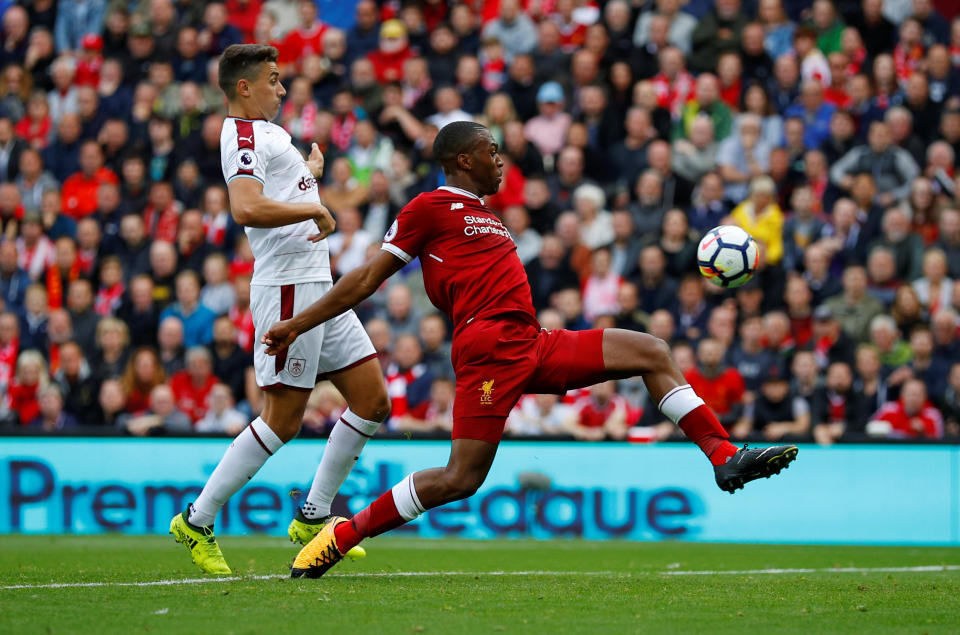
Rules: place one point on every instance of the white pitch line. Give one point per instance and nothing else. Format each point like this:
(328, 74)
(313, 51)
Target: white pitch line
(433, 574)
(926, 569)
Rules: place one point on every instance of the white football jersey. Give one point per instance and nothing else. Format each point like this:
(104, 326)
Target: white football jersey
(261, 150)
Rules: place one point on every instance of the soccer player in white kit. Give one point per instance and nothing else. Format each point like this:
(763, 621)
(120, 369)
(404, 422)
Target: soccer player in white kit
(273, 193)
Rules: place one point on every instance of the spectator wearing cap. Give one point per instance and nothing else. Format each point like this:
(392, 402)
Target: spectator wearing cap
(762, 218)
(911, 417)
(80, 189)
(513, 29)
(548, 130)
(75, 19)
(392, 51)
(89, 61)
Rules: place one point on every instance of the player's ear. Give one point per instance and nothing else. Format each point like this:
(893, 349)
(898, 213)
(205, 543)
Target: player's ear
(464, 161)
(243, 87)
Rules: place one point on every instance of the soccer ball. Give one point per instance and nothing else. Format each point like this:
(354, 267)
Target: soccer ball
(728, 256)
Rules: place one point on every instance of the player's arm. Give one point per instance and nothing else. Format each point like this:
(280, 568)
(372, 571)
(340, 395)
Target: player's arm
(352, 289)
(251, 208)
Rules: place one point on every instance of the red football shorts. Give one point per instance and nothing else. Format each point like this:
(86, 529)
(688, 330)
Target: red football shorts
(498, 360)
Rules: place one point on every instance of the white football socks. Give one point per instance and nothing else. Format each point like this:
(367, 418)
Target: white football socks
(248, 452)
(680, 402)
(406, 499)
(343, 448)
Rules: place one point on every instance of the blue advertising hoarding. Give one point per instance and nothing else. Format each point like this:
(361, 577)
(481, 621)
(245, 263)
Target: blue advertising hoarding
(869, 494)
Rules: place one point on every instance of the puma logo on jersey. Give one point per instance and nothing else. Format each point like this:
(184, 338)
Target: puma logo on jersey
(247, 139)
(454, 206)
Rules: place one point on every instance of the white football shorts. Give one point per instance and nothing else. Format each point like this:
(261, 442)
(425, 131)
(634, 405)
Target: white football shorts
(328, 348)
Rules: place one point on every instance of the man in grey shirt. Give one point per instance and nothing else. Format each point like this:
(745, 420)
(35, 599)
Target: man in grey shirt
(892, 168)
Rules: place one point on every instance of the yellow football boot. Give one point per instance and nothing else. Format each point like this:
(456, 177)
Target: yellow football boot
(202, 544)
(319, 554)
(303, 529)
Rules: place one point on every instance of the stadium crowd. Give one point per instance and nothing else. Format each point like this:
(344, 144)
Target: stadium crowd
(828, 130)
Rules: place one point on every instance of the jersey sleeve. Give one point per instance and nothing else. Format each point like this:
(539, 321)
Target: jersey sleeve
(409, 233)
(243, 154)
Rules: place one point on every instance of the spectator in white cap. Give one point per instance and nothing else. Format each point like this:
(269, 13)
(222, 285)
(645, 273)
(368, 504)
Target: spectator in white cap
(548, 130)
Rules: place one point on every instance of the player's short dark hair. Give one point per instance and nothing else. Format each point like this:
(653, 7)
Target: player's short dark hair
(456, 138)
(242, 61)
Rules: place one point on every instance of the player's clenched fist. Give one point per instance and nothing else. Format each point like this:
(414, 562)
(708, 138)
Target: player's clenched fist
(279, 337)
(325, 222)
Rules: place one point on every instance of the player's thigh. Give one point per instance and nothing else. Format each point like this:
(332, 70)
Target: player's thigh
(629, 353)
(485, 394)
(568, 360)
(297, 366)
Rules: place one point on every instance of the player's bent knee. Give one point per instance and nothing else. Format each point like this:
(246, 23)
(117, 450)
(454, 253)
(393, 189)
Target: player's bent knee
(377, 409)
(458, 486)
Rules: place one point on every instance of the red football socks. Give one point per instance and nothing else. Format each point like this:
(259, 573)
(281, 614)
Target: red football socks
(703, 428)
(381, 516)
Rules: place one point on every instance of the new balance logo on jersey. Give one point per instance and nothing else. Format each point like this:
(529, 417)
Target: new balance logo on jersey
(454, 206)
(307, 183)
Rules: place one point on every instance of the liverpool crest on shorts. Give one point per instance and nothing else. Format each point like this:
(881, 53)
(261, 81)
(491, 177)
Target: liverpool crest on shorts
(296, 365)
(486, 390)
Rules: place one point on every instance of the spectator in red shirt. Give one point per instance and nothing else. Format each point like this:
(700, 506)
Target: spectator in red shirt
(192, 385)
(601, 415)
(393, 51)
(720, 387)
(161, 216)
(35, 128)
(144, 372)
(408, 381)
(912, 416)
(79, 192)
(303, 41)
(22, 394)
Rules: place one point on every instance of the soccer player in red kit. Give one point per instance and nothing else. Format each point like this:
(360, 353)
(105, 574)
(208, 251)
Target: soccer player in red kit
(472, 273)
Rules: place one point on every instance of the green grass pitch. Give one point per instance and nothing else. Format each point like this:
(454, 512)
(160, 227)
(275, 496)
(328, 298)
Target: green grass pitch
(457, 586)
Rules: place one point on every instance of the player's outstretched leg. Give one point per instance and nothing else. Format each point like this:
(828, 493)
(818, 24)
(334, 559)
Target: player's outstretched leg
(466, 470)
(245, 456)
(368, 406)
(628, 353)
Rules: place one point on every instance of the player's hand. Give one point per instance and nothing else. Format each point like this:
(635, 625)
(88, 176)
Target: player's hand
(325, 223)
(279, 337)
(315, 161)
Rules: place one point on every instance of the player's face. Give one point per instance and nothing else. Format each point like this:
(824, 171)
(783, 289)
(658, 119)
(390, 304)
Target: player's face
(267, 92)
(487, 165)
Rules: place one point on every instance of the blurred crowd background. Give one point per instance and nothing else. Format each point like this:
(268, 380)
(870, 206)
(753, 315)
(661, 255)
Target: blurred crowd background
(830, 130)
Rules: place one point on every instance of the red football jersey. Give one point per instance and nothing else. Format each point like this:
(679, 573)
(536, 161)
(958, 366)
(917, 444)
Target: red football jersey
(470, 264)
